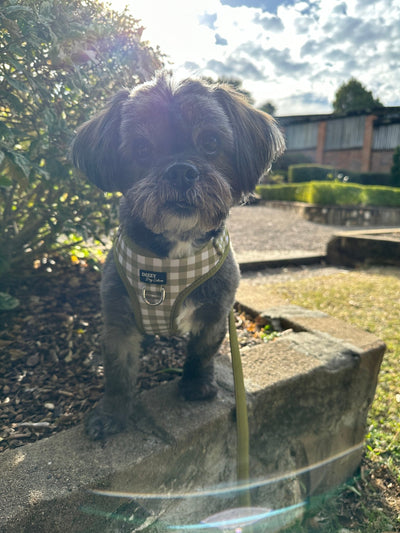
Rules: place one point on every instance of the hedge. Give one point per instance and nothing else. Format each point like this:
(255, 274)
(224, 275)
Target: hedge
(313, 172)
(395, 170)
(332, 193)
(371, 178)
(309, 172)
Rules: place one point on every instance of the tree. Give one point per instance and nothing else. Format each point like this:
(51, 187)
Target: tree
(238, 86)
(353, 96)
(59, 63)
(268, 107)
(233, 82)
(395, 170)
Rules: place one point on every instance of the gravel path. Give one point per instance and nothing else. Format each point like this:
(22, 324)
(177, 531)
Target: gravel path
(261, 233)
(265, 232)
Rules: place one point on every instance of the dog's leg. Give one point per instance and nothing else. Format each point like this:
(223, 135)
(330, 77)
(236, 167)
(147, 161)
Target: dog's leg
(198, 382)
(121, 348)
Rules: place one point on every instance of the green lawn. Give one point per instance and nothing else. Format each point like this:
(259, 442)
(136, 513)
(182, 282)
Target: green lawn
(369, 299)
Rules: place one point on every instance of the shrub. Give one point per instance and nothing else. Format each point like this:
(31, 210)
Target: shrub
(395, 170)
(59, 63)
(336, 193)
(285, 192)
(375, 195)
(332, 193)
(279, 176)
(370, 178)
(289, 158)
(303, 173)
(310, 172)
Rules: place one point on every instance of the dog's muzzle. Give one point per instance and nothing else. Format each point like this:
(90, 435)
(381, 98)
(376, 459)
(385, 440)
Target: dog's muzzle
(181, 175)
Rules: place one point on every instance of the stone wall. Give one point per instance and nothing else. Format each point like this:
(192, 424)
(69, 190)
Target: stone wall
(343, 215)
(381, 160)
(373, 247)
(350, 159)
(344, 159)
(308, 396)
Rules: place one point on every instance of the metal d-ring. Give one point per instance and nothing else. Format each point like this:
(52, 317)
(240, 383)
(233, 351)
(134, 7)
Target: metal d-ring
(160, 301)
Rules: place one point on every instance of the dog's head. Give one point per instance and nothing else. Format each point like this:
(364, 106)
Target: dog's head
(181, 154)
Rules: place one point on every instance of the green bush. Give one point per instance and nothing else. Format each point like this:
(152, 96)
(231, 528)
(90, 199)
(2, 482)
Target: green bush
(328, 193)
(59, 63)
(310, 172)
(289, 158)
(336, 193)
(279, 176)
(285, 192)
(395, 170)
(387, 196)
(305, 173)
(371, 178)
(332, 193)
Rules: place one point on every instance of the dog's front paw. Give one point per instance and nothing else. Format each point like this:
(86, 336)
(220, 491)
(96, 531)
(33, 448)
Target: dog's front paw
(199, 389)
(100, 424)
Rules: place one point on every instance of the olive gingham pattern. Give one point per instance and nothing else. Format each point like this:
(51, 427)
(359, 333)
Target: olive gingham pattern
(180, 274)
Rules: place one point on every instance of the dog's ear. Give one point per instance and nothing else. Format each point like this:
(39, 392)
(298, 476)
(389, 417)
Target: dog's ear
(257, 139)
(95, 149)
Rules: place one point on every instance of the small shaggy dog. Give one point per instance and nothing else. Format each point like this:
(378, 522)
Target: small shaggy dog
(181, 154)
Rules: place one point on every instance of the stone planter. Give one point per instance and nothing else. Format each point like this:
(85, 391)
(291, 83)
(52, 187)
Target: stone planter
(343, 215)
(309, 392)
(376, 247)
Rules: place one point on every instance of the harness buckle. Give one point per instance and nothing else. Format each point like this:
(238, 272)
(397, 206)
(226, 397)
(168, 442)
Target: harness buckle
(153, 301)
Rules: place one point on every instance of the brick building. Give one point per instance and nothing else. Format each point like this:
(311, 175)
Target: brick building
(358, 141)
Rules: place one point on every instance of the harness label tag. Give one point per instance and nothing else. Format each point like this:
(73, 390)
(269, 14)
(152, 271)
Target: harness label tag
(158, 278)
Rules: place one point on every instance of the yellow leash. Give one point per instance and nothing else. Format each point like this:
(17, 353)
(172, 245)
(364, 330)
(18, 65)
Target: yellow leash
(242, 424)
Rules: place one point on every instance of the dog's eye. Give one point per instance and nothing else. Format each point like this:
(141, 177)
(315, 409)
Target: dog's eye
(208, 142)
(142, 150)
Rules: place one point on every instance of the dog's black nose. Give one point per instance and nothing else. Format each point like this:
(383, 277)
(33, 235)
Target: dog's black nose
(181, 175)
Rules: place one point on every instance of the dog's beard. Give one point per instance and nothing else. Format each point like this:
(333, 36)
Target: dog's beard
(185, 215)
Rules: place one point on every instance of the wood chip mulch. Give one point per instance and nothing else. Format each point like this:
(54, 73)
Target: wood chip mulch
(50, 365)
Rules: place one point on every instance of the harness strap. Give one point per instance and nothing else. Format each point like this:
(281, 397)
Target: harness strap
(242, 422)
(157, 287)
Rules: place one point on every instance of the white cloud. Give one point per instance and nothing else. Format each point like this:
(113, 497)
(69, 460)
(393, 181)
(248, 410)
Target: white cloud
(269, 22)
(295, 54)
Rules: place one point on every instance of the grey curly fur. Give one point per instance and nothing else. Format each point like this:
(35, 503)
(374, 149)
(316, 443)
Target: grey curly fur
(182, 154)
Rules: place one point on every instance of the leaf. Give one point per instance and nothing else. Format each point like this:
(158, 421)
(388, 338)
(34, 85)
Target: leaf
(15, 102)
(19, 86)
(5, 182)
(35, 148)
(8, 302)
(5, 131)
(21, 162)
(19, 51)
(15, 168)
(13, 11)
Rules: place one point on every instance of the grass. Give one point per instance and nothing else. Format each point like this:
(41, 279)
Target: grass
(369, 299)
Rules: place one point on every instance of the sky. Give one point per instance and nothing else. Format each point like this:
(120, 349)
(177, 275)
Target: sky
(294, 54)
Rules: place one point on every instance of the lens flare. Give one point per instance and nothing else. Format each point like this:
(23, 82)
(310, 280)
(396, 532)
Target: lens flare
(233, 520)
(231, 488)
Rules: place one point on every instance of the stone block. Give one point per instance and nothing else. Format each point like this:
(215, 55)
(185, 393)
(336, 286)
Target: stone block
(376, 247)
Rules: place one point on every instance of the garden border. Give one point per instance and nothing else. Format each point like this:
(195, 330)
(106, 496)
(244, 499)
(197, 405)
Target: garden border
(341, 215)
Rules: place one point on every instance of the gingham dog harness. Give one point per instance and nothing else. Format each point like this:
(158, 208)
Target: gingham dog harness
(158, 286)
